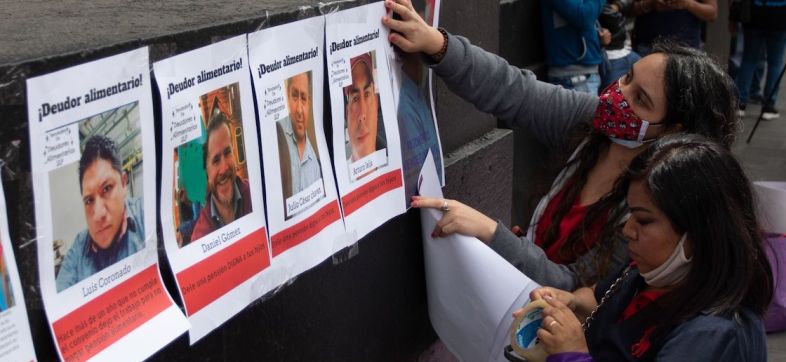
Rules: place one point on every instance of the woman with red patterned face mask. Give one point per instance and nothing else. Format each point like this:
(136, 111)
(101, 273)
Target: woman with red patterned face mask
(571, 238)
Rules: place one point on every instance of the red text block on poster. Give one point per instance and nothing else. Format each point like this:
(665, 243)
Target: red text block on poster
(208, 280)
(99, 323)
(305, 229)
(370, 191)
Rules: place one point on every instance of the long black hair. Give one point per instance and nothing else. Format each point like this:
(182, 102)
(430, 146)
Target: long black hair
(704, 192)
(700, 97)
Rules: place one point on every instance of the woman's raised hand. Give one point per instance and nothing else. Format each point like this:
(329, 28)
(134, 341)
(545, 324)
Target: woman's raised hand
(410, 32)
(458, 218)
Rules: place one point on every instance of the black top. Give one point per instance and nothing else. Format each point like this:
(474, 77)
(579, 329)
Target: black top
(679, 26)
(704, 338)
(768, 15)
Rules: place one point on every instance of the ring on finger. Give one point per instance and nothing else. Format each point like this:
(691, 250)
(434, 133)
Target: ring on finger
(444, 207)
(552, 323)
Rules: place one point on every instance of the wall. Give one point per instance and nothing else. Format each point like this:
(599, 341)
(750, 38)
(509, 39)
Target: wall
(522, 46)
(368, 307)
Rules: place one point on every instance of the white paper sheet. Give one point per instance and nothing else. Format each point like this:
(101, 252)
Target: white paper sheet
(220, 259)
(366, 147)
(287, 67)
(472, 291)
(772, 205)
(16, 343)
(97, 252)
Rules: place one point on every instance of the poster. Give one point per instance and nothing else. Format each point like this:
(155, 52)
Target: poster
(16, 343)
(472, 291)
(366, 147)
(94, 163)
(212, 211)
(772, 205)
(413, 97)
(302, 203)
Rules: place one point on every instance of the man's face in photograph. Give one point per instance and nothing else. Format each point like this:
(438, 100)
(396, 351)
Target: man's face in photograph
(220, 165)
(103, 197)
(362, 111)
(299, 104)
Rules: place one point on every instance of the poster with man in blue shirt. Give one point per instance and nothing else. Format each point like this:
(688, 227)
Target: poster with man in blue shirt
(299, 160)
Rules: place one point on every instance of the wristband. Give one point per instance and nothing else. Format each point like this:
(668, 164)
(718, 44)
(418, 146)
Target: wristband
(437, 57)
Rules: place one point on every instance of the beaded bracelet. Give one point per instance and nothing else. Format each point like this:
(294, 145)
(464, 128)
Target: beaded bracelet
(437, 57)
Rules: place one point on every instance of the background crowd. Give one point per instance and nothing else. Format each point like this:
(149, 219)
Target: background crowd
(591, 44)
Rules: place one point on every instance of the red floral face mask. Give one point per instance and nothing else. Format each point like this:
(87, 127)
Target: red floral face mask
(615, 118)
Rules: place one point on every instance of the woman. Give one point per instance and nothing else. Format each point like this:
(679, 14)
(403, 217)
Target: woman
(700, 280)
(675, 89)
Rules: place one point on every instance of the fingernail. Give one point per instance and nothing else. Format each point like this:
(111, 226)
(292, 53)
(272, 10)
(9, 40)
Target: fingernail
(548, 297)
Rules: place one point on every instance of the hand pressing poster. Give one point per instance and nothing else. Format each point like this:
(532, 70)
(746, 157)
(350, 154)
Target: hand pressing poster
(93, 162)
(302, 204)
(212, 211)
(415, 107)
(16, 343)
(366, 144)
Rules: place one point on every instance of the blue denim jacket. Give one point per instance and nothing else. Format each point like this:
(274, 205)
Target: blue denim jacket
(82, 261)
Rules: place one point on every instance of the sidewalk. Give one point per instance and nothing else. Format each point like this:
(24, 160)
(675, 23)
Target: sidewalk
(764, 158)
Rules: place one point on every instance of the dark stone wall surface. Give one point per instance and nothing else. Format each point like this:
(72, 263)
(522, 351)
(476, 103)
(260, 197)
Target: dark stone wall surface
(521, 44)
(521, 41)
(371, 306)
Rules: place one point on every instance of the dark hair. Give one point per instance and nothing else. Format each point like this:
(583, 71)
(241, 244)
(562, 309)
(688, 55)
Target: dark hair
(704, 192)
(700, 96)
(217, 120)
(98, 147)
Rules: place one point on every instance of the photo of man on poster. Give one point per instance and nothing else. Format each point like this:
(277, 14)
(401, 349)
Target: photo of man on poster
(417, 129)
(365, 130)
(6, 291)
(115, 224)
(299, 160)
(228, 197)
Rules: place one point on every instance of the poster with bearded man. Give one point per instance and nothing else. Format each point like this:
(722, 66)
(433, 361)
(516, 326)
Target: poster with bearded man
(212, 207)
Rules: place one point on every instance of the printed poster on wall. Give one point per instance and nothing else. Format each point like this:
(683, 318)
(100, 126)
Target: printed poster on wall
(16, 343)
(212, 211)
(367, 152)
(94, 179)
(414, 101)
(302, 203)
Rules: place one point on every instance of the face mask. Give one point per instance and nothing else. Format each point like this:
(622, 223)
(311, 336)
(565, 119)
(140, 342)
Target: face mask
(672, 271)
(615, 119)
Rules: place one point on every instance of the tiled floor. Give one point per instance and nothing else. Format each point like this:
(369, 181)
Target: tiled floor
(765, 160)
